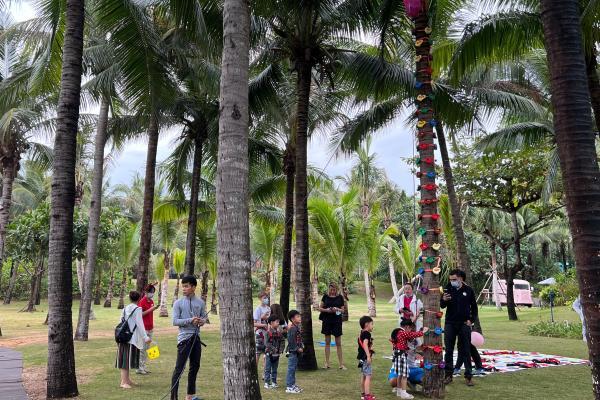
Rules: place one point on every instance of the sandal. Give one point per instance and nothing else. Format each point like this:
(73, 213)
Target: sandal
(343, 367)
(325, 367)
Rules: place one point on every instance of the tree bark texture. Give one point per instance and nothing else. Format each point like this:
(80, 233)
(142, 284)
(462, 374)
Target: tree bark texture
(289, 163)
(98, 290)
(148, 208)
(433, 383)
(369, 293)
(240, 374)
(213, 298)
(83, 322)
(308, 361)
(176, 294)
(10, 166)
(61, 379)
(190, 241)
(457, 226)
(575, 142)
(204, 284)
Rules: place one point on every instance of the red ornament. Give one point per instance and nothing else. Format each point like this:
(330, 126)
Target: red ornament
(428, 160)
(424, 246)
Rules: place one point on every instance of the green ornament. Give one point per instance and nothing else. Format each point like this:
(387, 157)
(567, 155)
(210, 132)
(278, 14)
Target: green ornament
(422, 231)
(430, 260)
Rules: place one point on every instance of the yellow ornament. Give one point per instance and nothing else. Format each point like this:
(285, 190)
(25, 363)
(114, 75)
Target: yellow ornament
(421, 124)
(436, 246)
(153, 352)
(428, 30)
(441, 290)
(421, 97)
(418, 58)
(436, 270)
(419, 42)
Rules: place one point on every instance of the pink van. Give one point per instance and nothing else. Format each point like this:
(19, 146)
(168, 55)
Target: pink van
(522, 291)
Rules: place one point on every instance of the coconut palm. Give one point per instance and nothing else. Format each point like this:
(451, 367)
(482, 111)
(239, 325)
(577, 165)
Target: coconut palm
(577, 152)
(265, 244)
(61, 357)
(233, 241)
(178, 267)
(337, 230)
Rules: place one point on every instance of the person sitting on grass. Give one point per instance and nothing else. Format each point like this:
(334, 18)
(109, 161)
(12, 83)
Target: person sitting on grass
(400, 339)
(189, 314)
(295, 350)
(128, 354)
(365, 353)
(274, 346)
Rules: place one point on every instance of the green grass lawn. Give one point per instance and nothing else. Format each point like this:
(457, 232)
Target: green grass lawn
(95, 359)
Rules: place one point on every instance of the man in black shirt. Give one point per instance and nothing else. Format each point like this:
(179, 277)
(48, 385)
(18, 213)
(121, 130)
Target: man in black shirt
(461, 304)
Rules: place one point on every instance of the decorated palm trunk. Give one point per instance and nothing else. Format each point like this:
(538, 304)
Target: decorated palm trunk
(429, 261)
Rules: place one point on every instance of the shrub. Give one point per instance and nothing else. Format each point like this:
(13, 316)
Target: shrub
(566, 289)
(563, 329)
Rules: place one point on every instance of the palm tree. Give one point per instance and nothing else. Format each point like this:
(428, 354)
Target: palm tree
(306, 33)
(61, 356)
(336, 232)
(178, 267)
(127, 251)
(265, 244)
(577, 151)
(233, 241)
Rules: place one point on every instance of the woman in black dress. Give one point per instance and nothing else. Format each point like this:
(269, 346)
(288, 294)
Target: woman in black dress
(332, 307)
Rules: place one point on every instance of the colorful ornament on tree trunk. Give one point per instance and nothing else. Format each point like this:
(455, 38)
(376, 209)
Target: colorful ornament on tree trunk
(436, 246)
(428, 201)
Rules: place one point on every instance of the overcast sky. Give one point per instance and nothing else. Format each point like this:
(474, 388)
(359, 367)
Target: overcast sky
(391, 145)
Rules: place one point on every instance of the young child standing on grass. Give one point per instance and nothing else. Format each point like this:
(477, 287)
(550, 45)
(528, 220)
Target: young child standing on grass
(274, 345)
(365, 352)
(400, 338)
(295, 349)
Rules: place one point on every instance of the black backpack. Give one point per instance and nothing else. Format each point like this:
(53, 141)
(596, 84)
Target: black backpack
(122, 332)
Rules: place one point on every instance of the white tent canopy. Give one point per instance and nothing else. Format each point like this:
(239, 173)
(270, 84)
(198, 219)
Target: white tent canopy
(549, 281)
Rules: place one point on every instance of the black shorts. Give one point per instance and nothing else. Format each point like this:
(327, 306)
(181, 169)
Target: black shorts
(333, 328)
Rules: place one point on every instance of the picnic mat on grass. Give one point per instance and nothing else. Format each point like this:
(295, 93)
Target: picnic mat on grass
(510, 360)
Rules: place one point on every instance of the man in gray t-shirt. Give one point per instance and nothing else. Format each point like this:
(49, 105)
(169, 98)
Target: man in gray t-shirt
(260, 316)
(189, 314)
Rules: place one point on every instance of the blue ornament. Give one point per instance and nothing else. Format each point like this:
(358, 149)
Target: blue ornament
(421, 271)
(438, 331)
(418, 85)
(428, 366)
(433, 122)
(431, 174)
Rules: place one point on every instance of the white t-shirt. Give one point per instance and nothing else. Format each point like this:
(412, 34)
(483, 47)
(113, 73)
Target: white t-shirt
(259, 311)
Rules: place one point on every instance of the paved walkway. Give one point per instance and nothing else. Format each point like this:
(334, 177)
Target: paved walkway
(11, 382)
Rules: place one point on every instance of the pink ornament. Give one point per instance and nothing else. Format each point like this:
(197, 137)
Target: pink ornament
(413, 7)
(477, 339)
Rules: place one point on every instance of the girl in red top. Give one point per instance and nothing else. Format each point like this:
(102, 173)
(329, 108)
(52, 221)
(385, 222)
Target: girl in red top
(148, 308)
(400, 338)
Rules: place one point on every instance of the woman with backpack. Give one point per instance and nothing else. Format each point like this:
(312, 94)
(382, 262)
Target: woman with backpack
(130, 336)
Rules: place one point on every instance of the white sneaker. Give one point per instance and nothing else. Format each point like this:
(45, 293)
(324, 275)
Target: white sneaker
(141, 372)
(267, 385)
(274, 385)
(405, 395)
(394, 390)
(298, 389)
(292, 390)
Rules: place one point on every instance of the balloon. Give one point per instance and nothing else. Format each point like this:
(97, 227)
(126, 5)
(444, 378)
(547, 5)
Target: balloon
(477, 339)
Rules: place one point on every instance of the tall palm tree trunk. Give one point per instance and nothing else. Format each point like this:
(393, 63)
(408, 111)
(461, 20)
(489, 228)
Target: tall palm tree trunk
(14, 272)
(10, 166)
(289, 163)
(190, 241)
(98, 289)
(434, 378)
(369, 294)
(83, 322)
(122, 290)
(308, 361)
(240, 374)
(204, 284)
(578, 159)
(213, 298)
(61, 379)
(164, 291)
(457, 227)
(111, 286)
(392, 270)
(149, 183)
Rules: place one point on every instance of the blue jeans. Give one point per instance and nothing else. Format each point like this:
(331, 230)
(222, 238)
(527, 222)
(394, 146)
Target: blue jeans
(271, 369)
(290, 380)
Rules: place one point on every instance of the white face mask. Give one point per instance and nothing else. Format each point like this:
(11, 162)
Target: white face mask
(455, 284)
(265, 301)
(150, 295)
